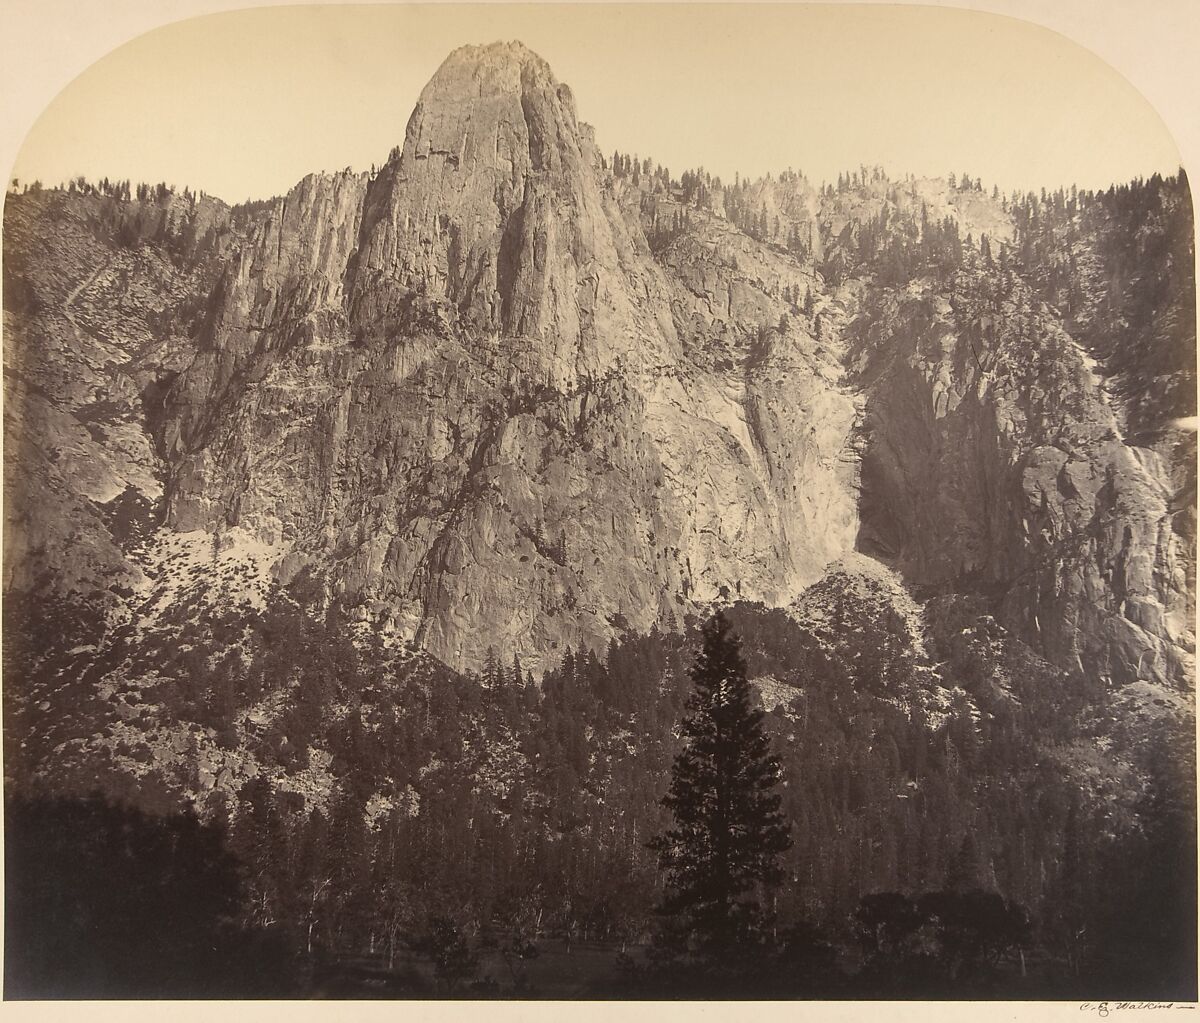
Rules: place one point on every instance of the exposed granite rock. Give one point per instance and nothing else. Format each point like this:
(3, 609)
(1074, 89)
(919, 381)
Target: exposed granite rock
(93, 319)
(470, 395)
(995, 462)
(469, 392)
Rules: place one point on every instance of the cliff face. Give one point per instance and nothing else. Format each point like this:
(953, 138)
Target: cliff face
(500, 395)
(494, 208)
(995, 463)
(468, 391)
(99, 301)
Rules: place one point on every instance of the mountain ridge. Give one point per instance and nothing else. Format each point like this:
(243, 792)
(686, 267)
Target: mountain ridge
(496, 245)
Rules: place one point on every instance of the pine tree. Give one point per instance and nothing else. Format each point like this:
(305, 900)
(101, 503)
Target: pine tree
(728, 832)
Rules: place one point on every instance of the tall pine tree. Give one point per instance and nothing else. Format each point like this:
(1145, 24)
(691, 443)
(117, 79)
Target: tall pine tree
(722, 853)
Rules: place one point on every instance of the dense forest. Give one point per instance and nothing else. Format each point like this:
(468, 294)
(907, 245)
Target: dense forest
(477, 816)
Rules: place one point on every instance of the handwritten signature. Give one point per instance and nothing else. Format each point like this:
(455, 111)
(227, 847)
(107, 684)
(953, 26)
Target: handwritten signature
(1103, 1009)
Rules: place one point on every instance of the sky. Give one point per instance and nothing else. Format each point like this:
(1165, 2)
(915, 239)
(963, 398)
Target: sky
(243, 104)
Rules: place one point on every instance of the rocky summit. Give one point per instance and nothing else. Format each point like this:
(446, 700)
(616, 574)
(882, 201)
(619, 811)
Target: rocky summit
(468, 385)
(509, 396)
(468, 392)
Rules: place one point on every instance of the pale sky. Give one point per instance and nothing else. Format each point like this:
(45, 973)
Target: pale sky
(244, 104)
